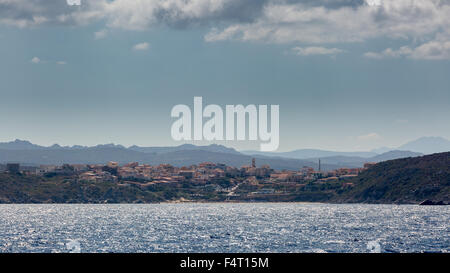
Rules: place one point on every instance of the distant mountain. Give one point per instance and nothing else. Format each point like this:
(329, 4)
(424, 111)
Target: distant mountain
(358, 162)
(189, 157)
(427, 145)
(26, 145)
(382, 150)
(342, 161)
(396, 154)
(60, 156)
(424, 145)
(184, 157)
(27, 153)
(310, 153)
(407, 180)
(184, 147)
(19, 145)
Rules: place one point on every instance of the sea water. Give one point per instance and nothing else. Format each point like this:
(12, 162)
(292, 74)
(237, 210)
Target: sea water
(224, 227)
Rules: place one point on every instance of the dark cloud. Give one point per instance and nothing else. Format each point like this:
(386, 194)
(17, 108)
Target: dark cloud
(28, 13)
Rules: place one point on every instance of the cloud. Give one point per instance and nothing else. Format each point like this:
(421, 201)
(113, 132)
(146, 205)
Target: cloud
(432, 50)
(295, 21)
(141, 46)
(73, 2)
(35, 60)
(25, 13)
(143, 14)
(129, 14)
(389, 52)
(315, 50)
(374, 2)
(307, 22)
(370, 136)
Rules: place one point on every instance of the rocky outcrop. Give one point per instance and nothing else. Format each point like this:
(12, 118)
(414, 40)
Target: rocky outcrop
(432, 203)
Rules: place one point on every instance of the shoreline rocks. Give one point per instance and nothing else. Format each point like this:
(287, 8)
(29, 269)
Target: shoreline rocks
(432, 203)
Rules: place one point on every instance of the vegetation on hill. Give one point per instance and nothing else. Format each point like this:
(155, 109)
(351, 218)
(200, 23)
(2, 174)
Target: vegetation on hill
(407, 180)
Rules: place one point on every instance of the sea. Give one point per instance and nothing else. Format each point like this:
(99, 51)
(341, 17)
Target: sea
(224, 227)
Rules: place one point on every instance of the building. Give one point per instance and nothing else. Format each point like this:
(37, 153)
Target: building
(186, 174)
(13, 167)
(130, 165)
(369, 164)
(112, 164)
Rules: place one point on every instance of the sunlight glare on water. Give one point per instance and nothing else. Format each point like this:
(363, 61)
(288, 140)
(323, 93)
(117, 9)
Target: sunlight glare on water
(220, 227)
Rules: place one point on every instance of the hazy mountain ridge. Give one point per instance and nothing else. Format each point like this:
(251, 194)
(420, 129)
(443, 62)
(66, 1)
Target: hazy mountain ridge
(184, 147)
(358, 162)
(26, 152)
(420, 146)
(310, 153)
(424, 145)
(427, 145)
(103, 154)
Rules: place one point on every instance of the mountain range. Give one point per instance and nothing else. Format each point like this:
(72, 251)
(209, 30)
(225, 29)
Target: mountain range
(25, 152)
(423, 145)
(28, 153)
(358, 162)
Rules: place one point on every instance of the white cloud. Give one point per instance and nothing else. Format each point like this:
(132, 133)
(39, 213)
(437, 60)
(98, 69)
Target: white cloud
(370, 136)
(315, 50)
(73, 2)
(25, 13)
(143, 14)
(373, 2)
(432, 50)
(35, 60)
(389, 52)
(141, 46)
(289, 21)
(417, 22)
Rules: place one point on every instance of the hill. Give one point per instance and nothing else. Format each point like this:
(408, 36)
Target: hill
(310, 153)
(428, 145)
(184, 147)
(423, 145)
(407, 180)
(358, 162)
(104, 154)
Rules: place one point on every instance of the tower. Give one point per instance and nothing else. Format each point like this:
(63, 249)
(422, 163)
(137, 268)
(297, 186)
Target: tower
(253, 163)
(320, 166)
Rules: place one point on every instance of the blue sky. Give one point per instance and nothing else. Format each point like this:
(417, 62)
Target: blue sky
(350, 75)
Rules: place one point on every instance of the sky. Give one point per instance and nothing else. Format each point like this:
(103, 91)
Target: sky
(348, 75)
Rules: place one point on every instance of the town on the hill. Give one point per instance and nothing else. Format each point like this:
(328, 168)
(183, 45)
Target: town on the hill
(144, 175)
(404, 181)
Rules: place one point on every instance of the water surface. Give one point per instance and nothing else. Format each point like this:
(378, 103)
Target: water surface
(224, 227)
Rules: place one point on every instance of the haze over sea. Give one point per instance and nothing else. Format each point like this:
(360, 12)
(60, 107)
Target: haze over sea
(224, 227)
